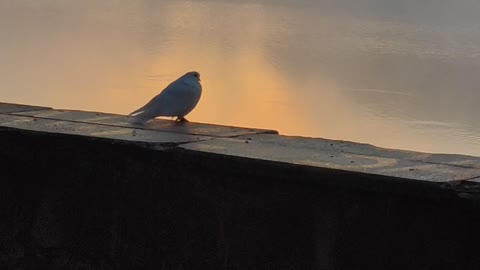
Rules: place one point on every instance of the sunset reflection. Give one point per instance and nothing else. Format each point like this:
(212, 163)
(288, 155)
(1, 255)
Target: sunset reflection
(240, 86)
(300, 69)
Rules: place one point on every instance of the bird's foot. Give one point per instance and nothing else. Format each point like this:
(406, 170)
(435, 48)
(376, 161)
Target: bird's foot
(182, 120)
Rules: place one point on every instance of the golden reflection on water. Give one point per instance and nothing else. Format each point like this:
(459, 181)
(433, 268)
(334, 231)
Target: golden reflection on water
(240, 86)
(291, 69)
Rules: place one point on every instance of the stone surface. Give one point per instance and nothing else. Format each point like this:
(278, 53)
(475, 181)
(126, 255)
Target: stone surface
(336, 156)
(158, 124)
(59, 127)
(12, 107)
(104, 196)
(206, 129)
(249, 143)
(369, 150)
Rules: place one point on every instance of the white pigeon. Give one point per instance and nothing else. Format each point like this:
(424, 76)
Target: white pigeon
(176, 100)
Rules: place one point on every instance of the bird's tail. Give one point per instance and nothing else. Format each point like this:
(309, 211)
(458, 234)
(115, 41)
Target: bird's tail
(138, 111)
(138, 117)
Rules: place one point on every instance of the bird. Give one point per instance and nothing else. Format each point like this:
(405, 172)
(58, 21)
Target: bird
(178, 99)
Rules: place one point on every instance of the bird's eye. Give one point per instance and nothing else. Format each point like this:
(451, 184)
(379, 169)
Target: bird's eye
(196, 75)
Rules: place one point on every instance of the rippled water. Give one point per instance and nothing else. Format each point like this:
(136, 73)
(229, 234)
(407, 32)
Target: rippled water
(395, 74)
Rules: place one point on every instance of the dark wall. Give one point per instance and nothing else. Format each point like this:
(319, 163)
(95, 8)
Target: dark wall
(69, 202)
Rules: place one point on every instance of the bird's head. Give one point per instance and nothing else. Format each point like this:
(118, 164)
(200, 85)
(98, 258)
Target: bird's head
(192, 75)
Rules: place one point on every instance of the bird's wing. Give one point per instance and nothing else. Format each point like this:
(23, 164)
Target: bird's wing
(157, 101)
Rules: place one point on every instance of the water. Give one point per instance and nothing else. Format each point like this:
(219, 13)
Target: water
(397, 74)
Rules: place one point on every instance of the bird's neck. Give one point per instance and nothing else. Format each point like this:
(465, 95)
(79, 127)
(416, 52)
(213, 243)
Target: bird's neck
(193, 83)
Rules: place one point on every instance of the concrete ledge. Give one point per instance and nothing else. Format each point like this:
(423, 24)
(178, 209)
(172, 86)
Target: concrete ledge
(249, 143)
(12, 107)
(108, 195)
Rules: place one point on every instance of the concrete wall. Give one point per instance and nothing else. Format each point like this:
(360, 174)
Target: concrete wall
(80, 202)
